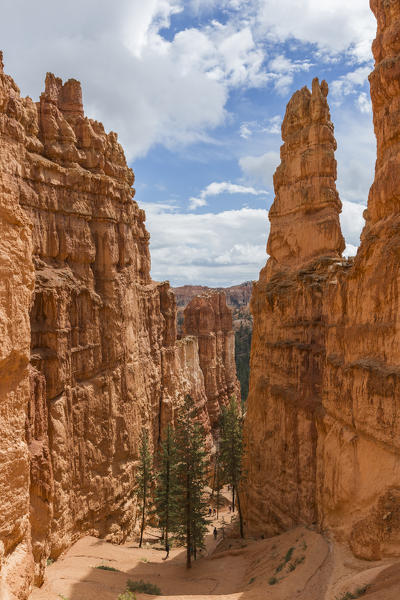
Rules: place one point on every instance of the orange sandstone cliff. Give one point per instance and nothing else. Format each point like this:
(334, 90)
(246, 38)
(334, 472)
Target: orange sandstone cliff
(89, 352)
(287, 352)
(208, 318)
(323, 424)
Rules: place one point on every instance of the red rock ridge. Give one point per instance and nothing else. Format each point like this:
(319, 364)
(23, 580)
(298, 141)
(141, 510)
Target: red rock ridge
(104, 357)
(208, 318)
(323, 419)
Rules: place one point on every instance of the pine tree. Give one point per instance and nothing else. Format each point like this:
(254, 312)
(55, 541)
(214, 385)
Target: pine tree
(144, 478)
(167, 485)
(231, 449)
(192, 478)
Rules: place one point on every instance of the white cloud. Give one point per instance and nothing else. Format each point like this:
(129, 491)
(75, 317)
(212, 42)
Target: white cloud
(274, 125)
(282, 71)
(335, 26)
(347, 84)
(352, 222)
(204, 248)
(260, 168)
(223, 187)
(364, 103)
(147, 88)
(245, 132)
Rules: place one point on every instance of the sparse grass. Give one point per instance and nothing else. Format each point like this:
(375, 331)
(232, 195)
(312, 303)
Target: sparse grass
(252, 580)
(127, 595)
(353, 596)
(145, 560)
(273, 581)
(143, 587)
(107, 568)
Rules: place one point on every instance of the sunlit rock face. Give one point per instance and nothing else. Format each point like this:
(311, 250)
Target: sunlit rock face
(288, 352)
(323, 421)
(208, 318)
(359, 440)
(89, 352)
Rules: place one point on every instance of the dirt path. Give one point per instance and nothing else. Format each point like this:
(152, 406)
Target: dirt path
(297, 565)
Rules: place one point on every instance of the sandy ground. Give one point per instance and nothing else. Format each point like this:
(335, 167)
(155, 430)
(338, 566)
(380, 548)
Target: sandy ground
(297, 565)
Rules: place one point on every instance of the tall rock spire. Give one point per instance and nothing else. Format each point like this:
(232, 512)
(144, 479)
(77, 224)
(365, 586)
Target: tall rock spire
(305, 214)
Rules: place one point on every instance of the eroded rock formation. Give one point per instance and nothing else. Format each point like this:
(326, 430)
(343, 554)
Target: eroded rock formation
(208, 318)
(78, 302)
(323, 419)
(287, 354)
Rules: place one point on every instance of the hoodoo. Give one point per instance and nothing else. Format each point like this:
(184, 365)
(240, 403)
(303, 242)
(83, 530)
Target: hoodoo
(287, 356)
(323, 418)
(89, 351)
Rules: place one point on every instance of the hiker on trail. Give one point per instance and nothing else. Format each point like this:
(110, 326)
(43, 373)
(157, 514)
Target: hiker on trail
(209, 511)
(214, 511)
(166, 550)
(215, 533)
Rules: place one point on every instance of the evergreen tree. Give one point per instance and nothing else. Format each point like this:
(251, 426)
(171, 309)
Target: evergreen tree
(218, 481)
(144, 478)
(167, 486)
(192, 478)
(231, 449)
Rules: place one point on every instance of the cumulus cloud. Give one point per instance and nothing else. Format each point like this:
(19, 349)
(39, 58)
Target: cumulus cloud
(260, 168)
(282, 71)
(347, 84)
(150, 89)
(334, 26)
(204, 248)
(223, 187)
(364, 103)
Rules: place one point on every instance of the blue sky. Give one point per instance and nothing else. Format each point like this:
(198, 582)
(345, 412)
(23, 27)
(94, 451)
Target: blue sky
(197, 90)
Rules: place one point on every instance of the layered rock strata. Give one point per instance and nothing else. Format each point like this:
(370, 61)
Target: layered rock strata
(78, 303)
(208, 318)
(287, 354)
(323, 424)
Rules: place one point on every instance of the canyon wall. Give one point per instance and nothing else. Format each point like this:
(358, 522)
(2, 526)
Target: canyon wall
(208, 318)
(78, 304)
(323, 418)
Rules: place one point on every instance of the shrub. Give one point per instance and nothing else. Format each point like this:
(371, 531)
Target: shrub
(251, 580)
(143, 587)
(273, 581)
(289, 555)
(127, 596)
(107, 568)
(49, 561)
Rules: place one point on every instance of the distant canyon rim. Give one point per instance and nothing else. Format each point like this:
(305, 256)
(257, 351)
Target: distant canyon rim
(90, 350)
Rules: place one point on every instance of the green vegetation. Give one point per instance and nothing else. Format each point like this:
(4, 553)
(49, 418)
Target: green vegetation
(273, 581)
(352, 596)
(287, 558)
(166, 507)
(231, 451)
(49, 561)
(143, 587)
(107, 568)
(289, 554)
(192, 475)
(252, 580)
(144, 477)
(242, 358)
(127, 595)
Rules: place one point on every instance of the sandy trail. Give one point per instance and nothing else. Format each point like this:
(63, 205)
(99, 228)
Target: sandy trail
(297, 565)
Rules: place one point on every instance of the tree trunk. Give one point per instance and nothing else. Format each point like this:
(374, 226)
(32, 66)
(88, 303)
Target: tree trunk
(143, 515)
(233, 498)
(240, 515)
(188, 526)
